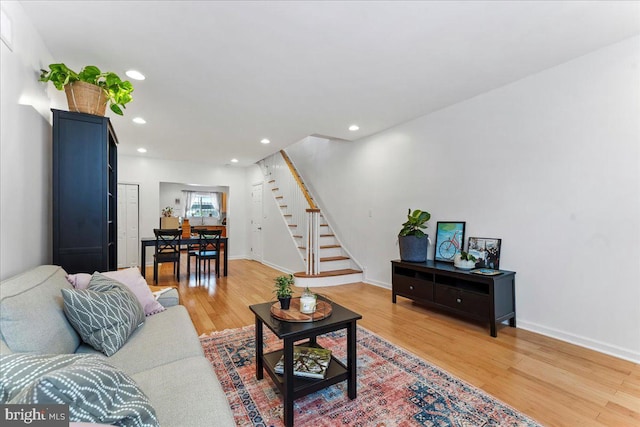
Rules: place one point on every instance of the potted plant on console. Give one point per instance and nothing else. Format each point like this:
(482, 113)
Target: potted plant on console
(464, 261)
(89, 90)
(412, 240)
(283, 290)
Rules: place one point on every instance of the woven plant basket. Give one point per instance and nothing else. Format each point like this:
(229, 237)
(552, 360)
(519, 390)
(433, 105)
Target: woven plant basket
(86, 98)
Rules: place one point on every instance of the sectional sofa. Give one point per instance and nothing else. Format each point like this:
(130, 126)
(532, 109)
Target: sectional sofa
(163, 355)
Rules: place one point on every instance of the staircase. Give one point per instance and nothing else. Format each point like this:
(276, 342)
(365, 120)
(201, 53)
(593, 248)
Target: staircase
(328, 262)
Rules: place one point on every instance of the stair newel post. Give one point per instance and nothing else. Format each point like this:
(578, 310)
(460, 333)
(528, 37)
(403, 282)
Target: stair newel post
(313, 241)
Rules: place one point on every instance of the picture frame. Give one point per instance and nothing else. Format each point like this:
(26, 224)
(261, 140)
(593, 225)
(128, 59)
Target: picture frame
(486, 250)
(449, 240)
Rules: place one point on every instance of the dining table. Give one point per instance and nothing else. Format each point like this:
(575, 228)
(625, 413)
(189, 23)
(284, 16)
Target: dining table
(192, 240)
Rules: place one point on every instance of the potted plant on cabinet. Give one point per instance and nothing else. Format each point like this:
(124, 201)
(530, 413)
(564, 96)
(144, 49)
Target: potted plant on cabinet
(90, 90)
(464, 261)
(283, 290)
(412, 240)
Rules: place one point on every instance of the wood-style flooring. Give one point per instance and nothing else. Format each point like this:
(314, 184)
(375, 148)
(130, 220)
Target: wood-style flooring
(554, 382)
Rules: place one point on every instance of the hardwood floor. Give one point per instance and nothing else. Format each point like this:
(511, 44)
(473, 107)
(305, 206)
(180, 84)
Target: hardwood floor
(556, 383)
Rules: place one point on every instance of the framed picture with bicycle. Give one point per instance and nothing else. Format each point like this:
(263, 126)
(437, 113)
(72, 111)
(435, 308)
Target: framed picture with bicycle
(449, 240)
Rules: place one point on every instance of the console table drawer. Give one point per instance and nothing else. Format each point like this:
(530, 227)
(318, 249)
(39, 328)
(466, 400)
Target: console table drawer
(468, 302)
(413, 288)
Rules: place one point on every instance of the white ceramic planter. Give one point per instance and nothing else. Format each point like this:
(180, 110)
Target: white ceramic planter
(463, 265)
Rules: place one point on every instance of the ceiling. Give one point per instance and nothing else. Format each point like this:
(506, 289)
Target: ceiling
(223, 75)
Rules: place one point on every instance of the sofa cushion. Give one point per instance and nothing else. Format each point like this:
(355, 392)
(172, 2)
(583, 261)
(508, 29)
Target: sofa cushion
(165, 338)
(105, 314)
(129, 277)
(32, 319)
(207, 405)
(95, 391)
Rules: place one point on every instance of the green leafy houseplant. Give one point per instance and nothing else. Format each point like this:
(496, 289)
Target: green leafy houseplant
(283, 290)
(465, 256)
(413, 242)
(416, 222)
(117, 91)
(464, 260)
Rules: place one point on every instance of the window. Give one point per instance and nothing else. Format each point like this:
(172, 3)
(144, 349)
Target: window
(204, 205)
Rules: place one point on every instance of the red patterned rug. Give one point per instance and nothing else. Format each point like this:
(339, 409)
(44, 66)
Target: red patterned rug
(395, 388)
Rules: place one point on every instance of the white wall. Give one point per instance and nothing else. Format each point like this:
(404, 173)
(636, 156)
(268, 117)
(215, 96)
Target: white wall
(25, 148)
(550, 164)
(279, 250)
(148, 173)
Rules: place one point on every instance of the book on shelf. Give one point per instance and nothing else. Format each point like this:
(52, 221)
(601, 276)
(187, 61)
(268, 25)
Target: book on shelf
(309, 362)
(486, 272)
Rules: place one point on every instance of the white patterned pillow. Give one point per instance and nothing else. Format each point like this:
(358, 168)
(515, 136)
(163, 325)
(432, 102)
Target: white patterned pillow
(105, 314)
(95, 391)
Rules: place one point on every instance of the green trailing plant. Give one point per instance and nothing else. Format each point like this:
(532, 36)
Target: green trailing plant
(465, 256)
(118, 91)
(416, 222)
(283, 286)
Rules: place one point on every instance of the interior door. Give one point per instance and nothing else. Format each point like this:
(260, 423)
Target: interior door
(128, 231)
(256, 222)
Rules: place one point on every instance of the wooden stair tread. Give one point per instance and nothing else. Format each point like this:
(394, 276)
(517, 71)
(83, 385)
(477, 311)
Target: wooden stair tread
(279, 197)
(275, 189)
(331, 273)
(323, 247)
(327, 235)
(272, 181)
(334, 258)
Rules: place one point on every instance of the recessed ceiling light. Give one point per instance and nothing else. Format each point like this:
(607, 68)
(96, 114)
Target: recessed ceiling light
(142, 150)
(265, 141)
(135, 75)
(234, 160)
(139, 120)
(354, 128)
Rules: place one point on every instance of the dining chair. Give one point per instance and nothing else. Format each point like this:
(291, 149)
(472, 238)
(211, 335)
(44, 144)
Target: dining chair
(167, 250)
(208, 249)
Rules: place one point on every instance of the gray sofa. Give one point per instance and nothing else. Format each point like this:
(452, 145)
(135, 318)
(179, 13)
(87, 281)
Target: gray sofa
(164, 356)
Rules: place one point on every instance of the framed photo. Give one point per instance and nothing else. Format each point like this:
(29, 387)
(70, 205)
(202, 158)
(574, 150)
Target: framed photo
(449, 240)
(486, 250)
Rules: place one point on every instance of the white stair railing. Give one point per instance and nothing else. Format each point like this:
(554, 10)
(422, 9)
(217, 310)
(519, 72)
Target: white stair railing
(293, 203)
(313, 242)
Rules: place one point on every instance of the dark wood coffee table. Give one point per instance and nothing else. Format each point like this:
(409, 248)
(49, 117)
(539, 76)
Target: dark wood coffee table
(293, 387)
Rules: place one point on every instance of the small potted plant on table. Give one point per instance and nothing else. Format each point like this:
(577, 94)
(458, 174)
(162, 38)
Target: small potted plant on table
(283, 290)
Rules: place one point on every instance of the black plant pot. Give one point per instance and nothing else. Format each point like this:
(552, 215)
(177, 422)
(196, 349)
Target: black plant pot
(413, 249)
(284, 302)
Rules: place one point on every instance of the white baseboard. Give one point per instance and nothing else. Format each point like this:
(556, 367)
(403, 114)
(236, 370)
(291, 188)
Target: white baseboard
(612, 350)
(274, 266)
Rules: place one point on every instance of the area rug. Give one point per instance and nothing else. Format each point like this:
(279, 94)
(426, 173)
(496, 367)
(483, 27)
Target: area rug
(395, 388)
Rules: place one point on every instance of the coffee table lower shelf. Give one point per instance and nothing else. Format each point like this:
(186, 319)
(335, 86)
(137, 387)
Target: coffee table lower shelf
(302, 386)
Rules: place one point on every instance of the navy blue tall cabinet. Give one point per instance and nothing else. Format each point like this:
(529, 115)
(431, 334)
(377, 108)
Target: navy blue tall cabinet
(85, 183)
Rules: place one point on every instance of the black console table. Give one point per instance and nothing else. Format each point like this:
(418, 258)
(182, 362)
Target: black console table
(441, 285)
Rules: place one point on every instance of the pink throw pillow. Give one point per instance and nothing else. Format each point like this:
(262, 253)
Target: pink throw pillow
(129, 277)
